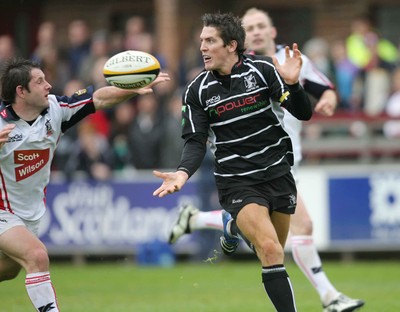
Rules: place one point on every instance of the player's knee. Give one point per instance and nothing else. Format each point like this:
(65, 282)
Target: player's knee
(307, 227)
(270, 251)
(37, 260)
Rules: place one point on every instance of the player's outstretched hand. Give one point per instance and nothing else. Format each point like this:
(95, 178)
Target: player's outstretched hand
(109, 96)
(290, 69)
(4, 134)
(173, 182)
(162, 77)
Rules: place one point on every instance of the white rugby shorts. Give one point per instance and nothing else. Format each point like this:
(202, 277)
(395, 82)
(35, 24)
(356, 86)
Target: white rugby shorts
(9, 220)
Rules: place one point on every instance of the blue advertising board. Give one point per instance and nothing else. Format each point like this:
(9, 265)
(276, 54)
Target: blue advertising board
(109, 217)
(365, 209)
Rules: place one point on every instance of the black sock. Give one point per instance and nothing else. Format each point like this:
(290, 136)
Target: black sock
(234, 228)
(278, 287)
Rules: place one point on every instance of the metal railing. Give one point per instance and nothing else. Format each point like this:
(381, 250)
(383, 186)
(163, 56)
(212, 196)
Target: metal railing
(349, 137)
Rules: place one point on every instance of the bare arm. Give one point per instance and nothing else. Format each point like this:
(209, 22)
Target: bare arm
(110, 96)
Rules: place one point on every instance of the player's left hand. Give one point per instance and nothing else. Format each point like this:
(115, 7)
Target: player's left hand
(290, 69)
(162, 77)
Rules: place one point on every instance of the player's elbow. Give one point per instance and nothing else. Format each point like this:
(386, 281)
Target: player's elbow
(303, 114)
(306, 115)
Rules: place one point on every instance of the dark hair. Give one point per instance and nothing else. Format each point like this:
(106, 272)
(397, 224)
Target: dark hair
(229, 27)
(15, 72)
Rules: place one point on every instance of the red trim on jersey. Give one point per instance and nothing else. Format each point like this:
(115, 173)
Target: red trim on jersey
(44, 197)
(81, 103)
(325, 79)
(4, 204)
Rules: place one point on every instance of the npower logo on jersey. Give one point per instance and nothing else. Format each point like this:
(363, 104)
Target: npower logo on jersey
(30, 162)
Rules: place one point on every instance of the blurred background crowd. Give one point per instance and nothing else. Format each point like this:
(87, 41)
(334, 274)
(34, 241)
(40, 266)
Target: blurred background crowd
(144, 133)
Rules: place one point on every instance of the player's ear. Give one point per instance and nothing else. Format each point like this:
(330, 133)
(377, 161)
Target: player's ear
(274, 33)
(232, 46)
(19, 91)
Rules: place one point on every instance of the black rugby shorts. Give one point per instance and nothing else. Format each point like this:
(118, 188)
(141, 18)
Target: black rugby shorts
(279, 195)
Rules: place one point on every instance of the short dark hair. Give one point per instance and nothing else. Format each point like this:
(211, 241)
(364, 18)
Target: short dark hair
(15, 72)
(229, 27)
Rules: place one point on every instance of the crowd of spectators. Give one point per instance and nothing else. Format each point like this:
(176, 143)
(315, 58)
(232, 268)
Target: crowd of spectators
(144, 133)
(361, 66)
(364, 66)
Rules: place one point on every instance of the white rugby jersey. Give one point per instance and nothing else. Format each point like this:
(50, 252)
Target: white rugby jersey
(309, 75)
(25, 159)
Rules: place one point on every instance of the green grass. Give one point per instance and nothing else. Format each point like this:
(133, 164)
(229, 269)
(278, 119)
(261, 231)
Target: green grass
(200, 287)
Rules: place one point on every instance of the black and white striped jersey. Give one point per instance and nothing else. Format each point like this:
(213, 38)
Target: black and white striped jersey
(241, 114)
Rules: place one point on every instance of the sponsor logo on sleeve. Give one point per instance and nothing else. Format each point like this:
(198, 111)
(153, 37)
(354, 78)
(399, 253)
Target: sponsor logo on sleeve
(81, 92)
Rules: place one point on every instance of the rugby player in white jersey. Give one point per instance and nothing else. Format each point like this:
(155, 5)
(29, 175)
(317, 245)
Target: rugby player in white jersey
(260, 39)
(31, 123)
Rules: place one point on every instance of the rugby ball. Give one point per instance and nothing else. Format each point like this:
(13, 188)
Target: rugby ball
(131, 69)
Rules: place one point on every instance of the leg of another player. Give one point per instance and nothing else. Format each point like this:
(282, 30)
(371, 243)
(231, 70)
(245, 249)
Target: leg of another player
(192, 219)
(27, 251)
(9, 269)
(202, 220)
(306, 256)
(268, 235)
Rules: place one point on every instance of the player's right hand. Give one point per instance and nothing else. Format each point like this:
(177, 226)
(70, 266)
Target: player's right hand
(4, 133)
(173, 182)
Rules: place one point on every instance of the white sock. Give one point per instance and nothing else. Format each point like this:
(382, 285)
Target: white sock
(207, 220)
(41, 292)
(306, 256)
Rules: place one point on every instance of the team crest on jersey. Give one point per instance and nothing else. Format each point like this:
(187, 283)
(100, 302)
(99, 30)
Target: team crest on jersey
(49, 129)
(250, 82)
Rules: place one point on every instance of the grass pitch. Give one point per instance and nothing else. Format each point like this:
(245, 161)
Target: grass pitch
(225, 286)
